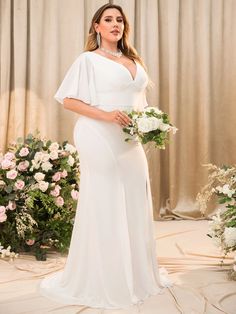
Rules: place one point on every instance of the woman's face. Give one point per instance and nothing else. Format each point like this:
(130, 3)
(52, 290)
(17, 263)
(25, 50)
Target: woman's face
(111, 25)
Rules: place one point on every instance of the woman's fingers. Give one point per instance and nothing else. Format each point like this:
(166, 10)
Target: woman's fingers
(122, 118)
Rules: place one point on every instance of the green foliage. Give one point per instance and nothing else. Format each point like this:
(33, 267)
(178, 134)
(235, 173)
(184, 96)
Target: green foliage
(40, 212)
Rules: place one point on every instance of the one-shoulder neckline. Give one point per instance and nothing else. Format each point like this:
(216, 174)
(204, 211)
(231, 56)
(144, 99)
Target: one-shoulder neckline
(133, 79)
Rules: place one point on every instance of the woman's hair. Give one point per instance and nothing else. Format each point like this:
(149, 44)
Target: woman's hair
(127, 49)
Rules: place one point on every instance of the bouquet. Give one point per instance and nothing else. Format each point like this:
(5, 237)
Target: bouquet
(150, 125)
(38, 195)
(222, 227)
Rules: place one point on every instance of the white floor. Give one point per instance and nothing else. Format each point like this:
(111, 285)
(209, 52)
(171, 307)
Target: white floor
(200, 285)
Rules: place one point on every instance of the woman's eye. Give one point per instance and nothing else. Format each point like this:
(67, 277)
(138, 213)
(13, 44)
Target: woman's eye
(108, 20)
(120, 21)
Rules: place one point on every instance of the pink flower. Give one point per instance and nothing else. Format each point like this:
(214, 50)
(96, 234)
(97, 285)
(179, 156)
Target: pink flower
(23, 165)
(3, 217)
(11, 205)
(19, 184)
(6, 164)
(56, 177)
(9, 156)
(30, 242)
(24, 152)
(11, 174)
(74, 194)
(2, 210)
(59, 201)
(64, 174)
(56, 191)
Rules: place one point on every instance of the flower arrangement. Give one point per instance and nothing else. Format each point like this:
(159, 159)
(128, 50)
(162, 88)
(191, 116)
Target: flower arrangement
(222, 227)
(150, 125)
(38, 195)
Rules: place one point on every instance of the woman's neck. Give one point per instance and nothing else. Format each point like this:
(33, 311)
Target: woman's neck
(109, 46)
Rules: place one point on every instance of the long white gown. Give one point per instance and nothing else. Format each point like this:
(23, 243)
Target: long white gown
(111, 261)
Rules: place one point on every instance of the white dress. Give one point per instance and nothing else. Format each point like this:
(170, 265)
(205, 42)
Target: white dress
(111, 261)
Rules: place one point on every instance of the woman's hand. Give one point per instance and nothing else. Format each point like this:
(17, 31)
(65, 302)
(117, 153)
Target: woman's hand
(118, 117)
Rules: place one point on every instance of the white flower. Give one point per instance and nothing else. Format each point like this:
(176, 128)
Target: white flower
(39, 176)
(225, 190)
(149, 109)
(70, 148)
(47, 166)
(38, 157)
(2, 183)
(164, 127)
(230, 236)
(70, 161)
(43, 186)
(54, 146)
(35, 165)
(53, 155)
(144, 125)
(154, 123)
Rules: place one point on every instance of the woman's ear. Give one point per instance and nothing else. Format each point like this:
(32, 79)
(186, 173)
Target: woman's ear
(96, 27)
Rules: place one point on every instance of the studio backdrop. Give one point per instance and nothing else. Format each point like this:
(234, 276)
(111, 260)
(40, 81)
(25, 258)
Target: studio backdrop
(189, 47)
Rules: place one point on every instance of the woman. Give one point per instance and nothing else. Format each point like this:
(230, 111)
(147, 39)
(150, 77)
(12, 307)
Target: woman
(111, 261)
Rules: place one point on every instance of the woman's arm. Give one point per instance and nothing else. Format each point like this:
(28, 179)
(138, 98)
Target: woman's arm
(84, 109)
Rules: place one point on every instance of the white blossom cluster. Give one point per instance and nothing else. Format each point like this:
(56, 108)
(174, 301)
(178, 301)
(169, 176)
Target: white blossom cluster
(8, 253)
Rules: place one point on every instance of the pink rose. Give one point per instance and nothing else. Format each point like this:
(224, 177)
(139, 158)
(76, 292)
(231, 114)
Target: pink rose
(6, 164)
(23, 165)
(11, 174)
(20, 184)
(2, 210)
(9, 156)
(56, 191)
(30, 242)
(11, 205)
(3, 217)
(24, 152)
(56, 177)
(59, 201)
(74, 194)
(64, 174)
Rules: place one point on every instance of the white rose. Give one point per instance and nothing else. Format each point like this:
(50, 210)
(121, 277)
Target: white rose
(164, 127)
(38, 157)
(54, 146)
(149, 109)
(155, 122)
(45, 157)
(47, 166)
(230, 236)
(70, 161)
(70, 148)
(39, 176)
(53, 155)
(43, 186)
(144, 125)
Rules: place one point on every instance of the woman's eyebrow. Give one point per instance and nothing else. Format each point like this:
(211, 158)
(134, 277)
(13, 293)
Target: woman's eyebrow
(112, 16)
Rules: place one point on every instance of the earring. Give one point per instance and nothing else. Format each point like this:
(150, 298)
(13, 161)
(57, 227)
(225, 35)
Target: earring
(122, 43)
(98, 39)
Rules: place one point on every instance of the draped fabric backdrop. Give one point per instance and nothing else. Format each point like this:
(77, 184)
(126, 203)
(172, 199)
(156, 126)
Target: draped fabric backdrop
(189, 47)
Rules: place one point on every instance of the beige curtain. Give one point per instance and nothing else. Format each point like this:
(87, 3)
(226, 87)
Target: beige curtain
(189, 47)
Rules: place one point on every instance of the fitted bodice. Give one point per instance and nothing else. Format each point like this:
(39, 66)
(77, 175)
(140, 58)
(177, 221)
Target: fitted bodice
(104, 83)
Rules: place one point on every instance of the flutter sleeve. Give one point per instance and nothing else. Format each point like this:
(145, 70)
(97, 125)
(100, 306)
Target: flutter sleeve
(78, 82)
